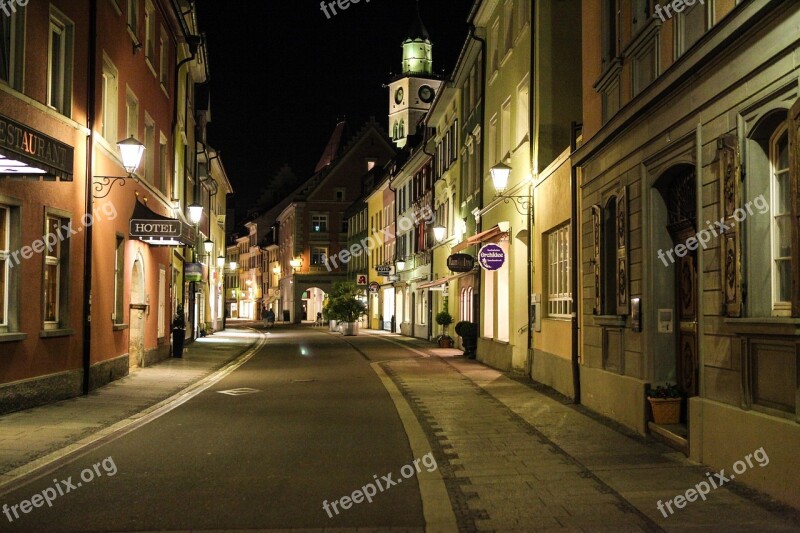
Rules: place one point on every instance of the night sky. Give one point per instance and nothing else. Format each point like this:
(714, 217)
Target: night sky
(282, 73)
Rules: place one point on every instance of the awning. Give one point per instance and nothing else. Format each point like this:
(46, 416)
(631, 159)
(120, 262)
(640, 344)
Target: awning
(27, 152)
(441, 281)
(158, 230)
(490, 235)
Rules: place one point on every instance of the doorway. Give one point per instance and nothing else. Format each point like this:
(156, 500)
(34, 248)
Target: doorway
(678, 191)
(137, 316)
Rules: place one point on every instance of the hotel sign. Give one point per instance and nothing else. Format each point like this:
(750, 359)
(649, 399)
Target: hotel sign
(156, 228)
(35, 149)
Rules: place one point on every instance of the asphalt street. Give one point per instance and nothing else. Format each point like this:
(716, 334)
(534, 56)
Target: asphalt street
(317, 424)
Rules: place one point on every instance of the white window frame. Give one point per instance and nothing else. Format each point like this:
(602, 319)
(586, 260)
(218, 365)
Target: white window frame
(150, 148)
(321, 253)
(559, 283)
(133, 17)
(60, 99)
(52, 259)
(131, 114)
(110, 102)
(149, 34)
(118, 316)
(163, 67)
(16, 48)
(779, 307)
(5, 255)
(523, 111)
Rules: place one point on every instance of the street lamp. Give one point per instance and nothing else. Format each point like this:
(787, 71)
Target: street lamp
(296, 263)
(208, 246)
(500, 173)
(233, 265)
(221, 262)
(195, 213)
(439, 233)
(131, 152)
(401, 264)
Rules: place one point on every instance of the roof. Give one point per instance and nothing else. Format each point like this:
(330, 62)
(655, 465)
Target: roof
(418, 29)
(332, 149)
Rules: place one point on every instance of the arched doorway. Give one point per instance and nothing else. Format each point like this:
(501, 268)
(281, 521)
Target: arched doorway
(137, 315)
(313, 302)
(676, 220)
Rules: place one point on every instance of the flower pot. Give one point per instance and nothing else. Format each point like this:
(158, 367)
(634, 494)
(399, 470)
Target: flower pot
(349, 329)
(445, 342)
(178, 338)
(666, 410)
(334, 326)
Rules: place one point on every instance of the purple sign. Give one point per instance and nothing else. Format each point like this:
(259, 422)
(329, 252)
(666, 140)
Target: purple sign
(491, 257)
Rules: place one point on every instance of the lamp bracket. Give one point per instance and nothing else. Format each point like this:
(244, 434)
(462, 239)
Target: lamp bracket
(521, 203)
(108, 182)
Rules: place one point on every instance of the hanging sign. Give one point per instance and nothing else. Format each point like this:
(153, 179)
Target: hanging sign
(460, 263)
(491, 257)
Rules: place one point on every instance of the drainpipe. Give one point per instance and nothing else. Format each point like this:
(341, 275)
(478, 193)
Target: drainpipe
(87, 253)
(576, 302)
(433, 210)
(482, 164)
(531, 221)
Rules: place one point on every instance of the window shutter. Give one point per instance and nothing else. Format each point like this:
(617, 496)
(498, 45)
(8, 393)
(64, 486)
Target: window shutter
(794, 178)
(623, 284)
(730, 239)
(597, 227)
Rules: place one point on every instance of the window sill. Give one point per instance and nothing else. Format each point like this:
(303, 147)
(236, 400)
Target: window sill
(53, 333)
(120, 327)
(764, 326)
(618, 321)
(13, 337)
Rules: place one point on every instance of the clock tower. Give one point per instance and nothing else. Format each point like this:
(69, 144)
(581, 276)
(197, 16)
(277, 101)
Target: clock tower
(412, 92)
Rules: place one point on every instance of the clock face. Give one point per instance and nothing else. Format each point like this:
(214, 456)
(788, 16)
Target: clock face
(426, 94)
(398, 96)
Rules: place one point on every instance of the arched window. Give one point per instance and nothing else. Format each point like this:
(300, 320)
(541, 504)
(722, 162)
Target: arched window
(396, 131)
(402, 129)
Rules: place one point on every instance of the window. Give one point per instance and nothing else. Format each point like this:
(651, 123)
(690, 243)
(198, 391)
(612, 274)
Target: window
(523, 15)
(163, 157)
(345, 225)
(690, 25)
(149, 149)
(505, 124)
(523, 111)
(402, 132)
(59, 63)
(12, 46)
(340, 194)
(319, 223)
(559, 291)
(781, 221)
(149, 32)
(509, 27)
(133, 16)
(56, 275)
(319, 256)
(494, 60)
(493, 141)
(5, 249)
(119, 281)
(609, 31)
(422, 306)
(108, 128)
(164, 59)
(132, 114)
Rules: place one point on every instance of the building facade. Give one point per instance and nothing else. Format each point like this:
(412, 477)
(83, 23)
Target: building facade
(689, 215)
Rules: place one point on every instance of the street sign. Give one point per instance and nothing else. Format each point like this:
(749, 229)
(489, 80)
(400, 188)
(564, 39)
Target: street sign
(491, 257)
(374, 287)
(361, 279)
(384, 270)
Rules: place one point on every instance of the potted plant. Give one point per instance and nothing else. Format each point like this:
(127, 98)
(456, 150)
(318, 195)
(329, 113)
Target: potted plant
(444, 319)
(665, 402)
(346, 307)
(178, 331)
(327, 315)
(468, 331)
